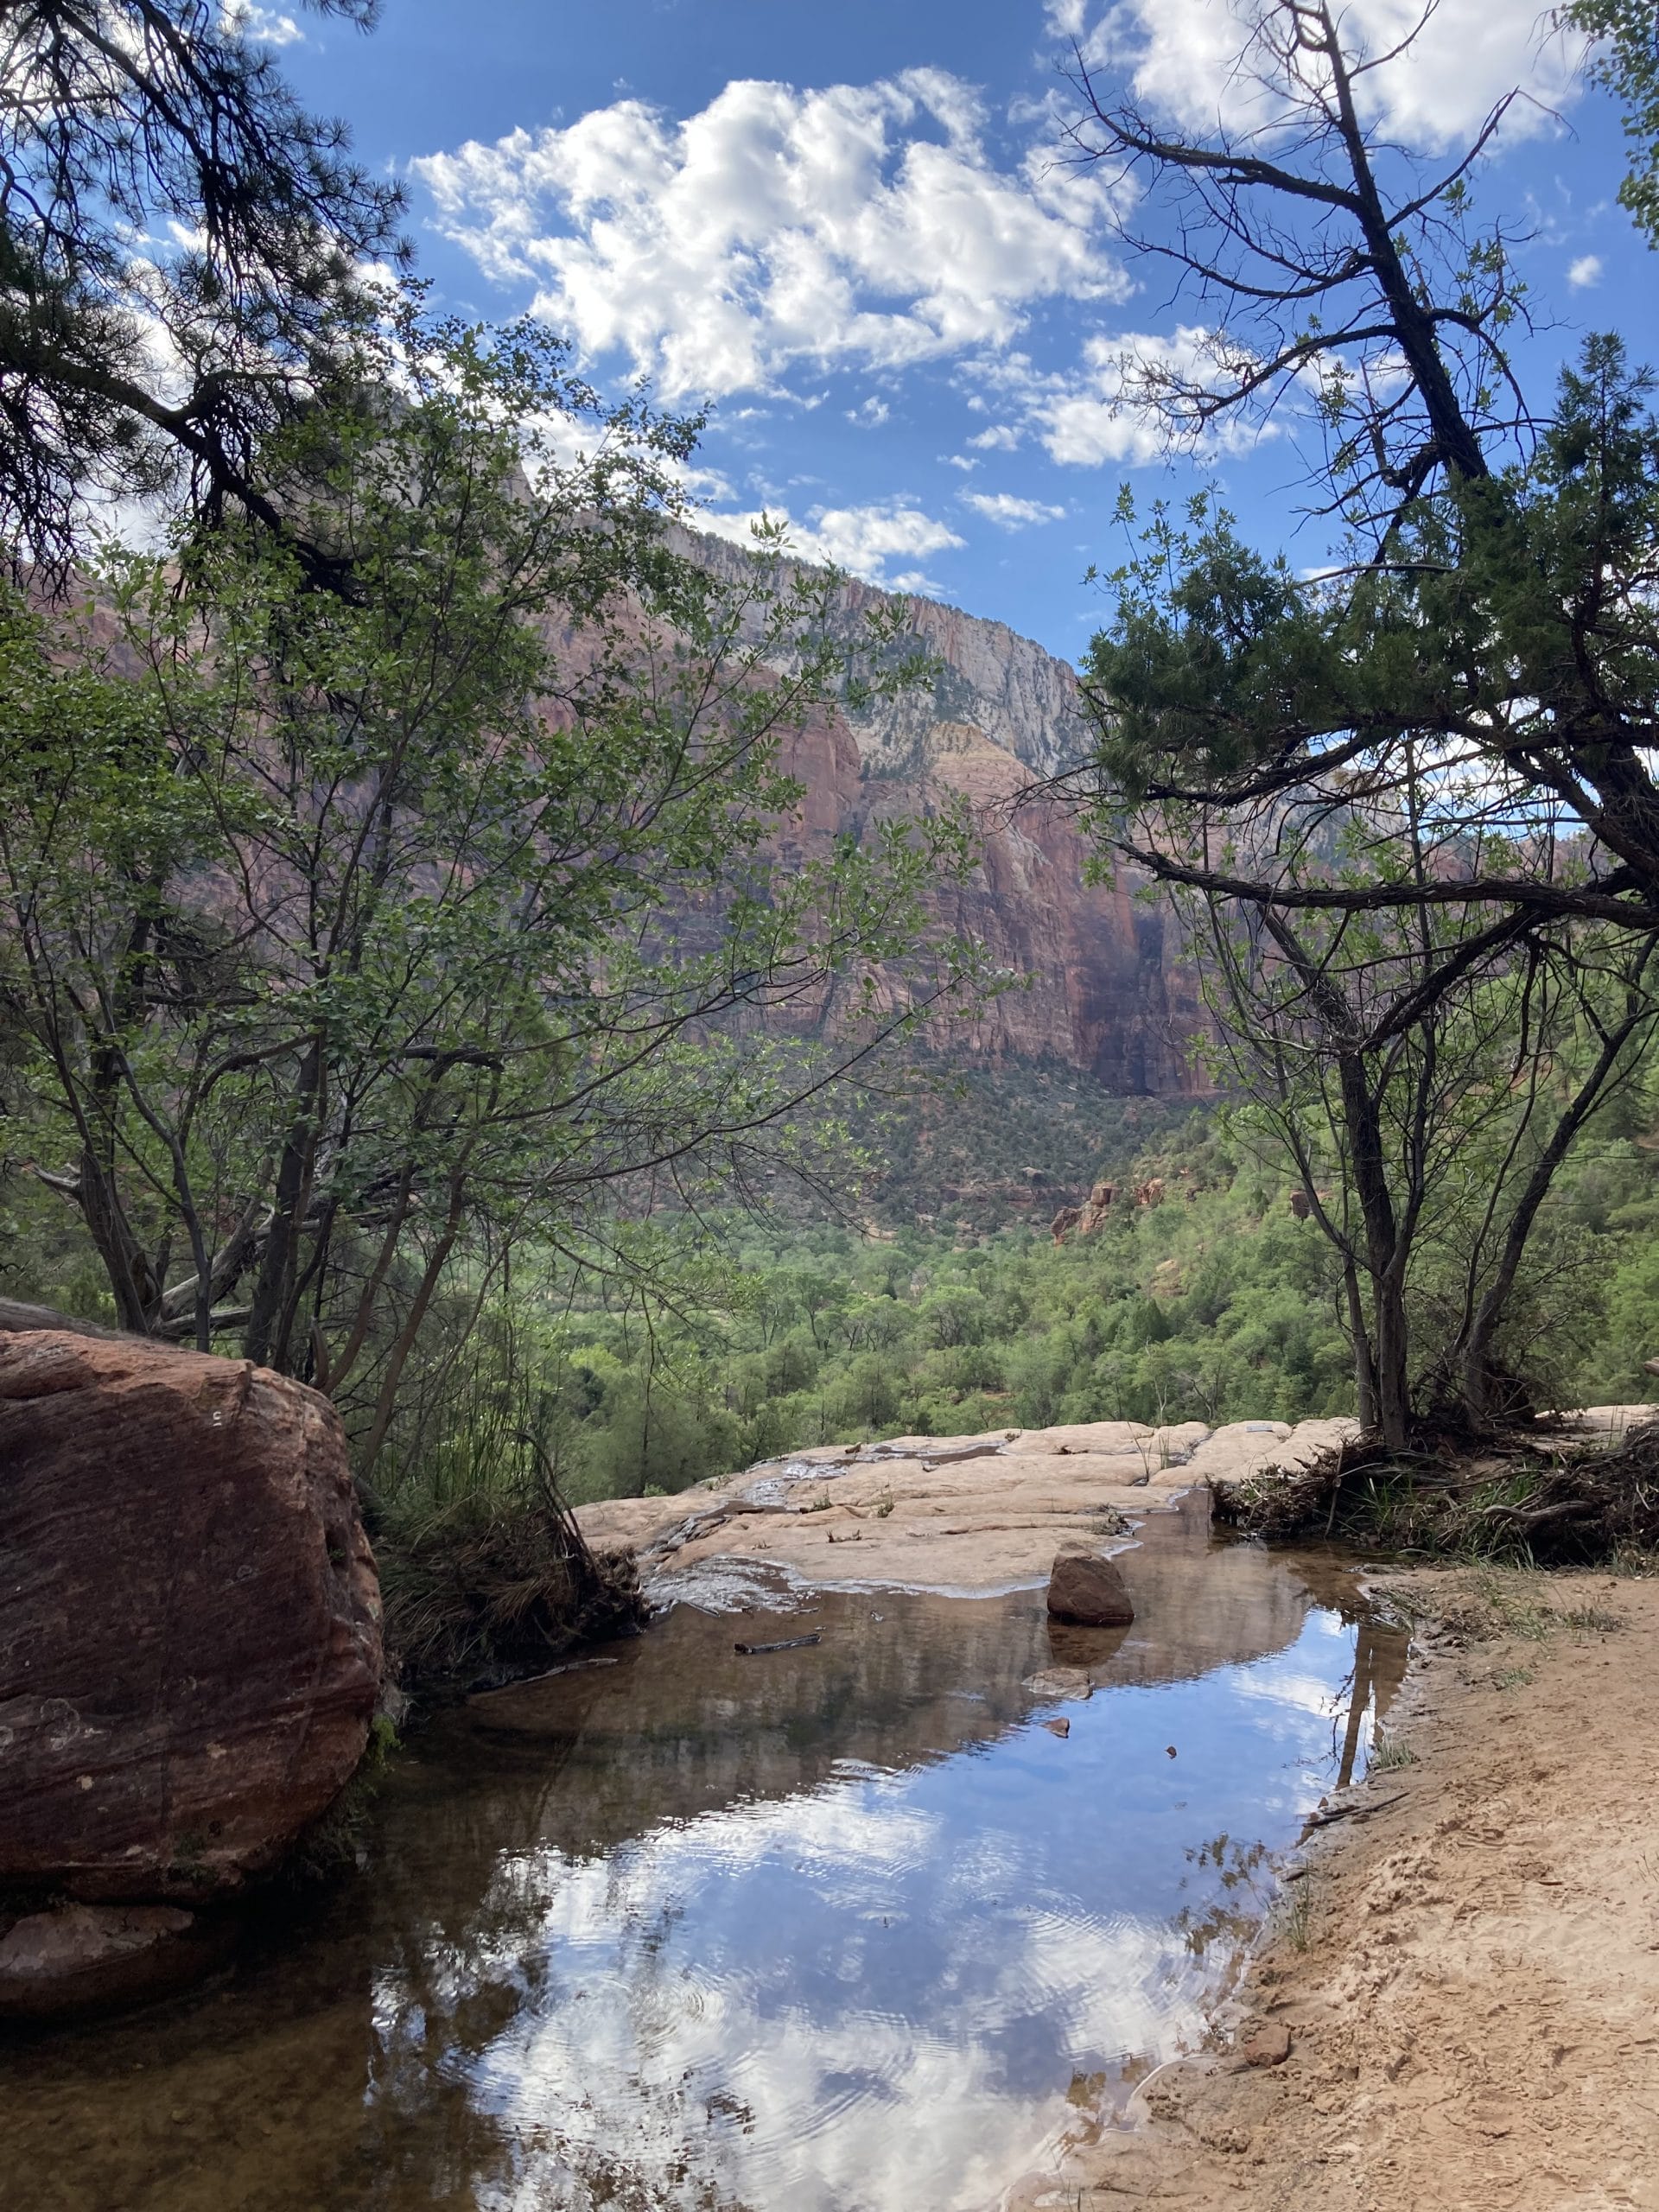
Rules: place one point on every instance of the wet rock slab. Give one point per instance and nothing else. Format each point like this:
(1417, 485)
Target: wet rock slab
(969, 1513)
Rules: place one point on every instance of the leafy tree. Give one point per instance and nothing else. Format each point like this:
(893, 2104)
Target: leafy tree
(1425, 1147)
(356, 941)
(1628, 65)
(1417, 867)
(1494, 598)
(1426, 771)
(1508, 640)
(180, 242)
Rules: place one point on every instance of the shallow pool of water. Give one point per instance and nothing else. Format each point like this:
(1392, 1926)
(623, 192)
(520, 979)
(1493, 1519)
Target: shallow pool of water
(842, 1928)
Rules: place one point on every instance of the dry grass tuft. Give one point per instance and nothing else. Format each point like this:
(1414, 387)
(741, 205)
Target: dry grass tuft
(1526, 1498)
(483, 1590)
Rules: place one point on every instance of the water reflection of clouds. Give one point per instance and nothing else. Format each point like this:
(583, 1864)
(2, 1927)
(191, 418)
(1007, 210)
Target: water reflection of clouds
(870, 1996)
(1300, 1693)
(817, 2073)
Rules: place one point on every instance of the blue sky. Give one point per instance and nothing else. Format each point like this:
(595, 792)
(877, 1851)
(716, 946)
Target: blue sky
(845, 228)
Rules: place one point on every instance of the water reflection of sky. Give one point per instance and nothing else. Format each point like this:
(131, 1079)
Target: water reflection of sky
(872, 1996)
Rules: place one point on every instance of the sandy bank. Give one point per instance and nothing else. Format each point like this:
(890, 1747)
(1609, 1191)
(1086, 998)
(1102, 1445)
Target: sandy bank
(1472, 1987)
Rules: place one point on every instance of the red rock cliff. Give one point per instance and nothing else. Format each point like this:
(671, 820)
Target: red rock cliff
(1107, 989)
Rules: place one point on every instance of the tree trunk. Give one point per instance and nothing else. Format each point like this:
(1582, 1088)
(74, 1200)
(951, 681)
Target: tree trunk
(1364, 1363)
(1385, 1260)
(1476, 1375)
(124, 1264)
(404, 1344)
(282, 1240)
(1392, 1340)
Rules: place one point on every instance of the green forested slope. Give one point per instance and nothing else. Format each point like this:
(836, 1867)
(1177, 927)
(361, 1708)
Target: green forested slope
(1216, 1305)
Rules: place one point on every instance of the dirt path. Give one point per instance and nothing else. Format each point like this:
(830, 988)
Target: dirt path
(1470, 1974)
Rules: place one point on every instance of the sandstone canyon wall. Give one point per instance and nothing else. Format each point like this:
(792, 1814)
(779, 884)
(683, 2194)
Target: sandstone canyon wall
(1105, 987)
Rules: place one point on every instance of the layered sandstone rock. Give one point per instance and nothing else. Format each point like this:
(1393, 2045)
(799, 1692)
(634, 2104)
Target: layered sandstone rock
(190, 1640)
(969, 1514)
(1084, 1220)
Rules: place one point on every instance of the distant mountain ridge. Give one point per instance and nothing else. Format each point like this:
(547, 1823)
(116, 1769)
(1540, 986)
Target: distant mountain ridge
(1108, 990)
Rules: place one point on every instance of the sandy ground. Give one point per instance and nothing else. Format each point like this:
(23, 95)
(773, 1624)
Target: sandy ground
(963, 1514)
(1468, 1968)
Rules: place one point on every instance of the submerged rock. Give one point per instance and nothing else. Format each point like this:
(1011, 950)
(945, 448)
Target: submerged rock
(82, 1958)
(1085, 1586)
(190, 1644)
(1060, 1681)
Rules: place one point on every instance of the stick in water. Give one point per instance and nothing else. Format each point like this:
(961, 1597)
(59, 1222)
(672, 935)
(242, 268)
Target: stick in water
(789, 1643)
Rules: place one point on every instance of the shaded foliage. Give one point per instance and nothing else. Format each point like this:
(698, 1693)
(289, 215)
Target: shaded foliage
(182, 252)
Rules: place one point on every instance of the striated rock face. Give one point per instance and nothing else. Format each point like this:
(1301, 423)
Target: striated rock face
(1107, 987)
(190, 1638)
(962, 1514)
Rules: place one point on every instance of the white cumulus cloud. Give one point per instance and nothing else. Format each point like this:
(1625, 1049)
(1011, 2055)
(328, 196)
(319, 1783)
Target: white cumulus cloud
(1584, 272)
(242, 19)
(1181, 56)
(1009, 512)
(1101, 412)
(855, 225)
(871, 541)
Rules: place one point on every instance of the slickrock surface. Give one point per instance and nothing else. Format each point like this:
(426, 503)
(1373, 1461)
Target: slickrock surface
(189, 1617)
(1464, 2017)
(955, 1513)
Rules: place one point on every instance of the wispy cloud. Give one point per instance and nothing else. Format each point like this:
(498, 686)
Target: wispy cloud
(1009, 512)
(1105, 408)
(875, 542)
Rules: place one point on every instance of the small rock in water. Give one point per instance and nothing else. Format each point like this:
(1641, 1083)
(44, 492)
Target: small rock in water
(1058, 1727)
(1084, 1586)
(1060, 1681)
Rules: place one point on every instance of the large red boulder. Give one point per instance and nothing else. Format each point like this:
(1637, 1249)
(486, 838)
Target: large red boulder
(189, 1617)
